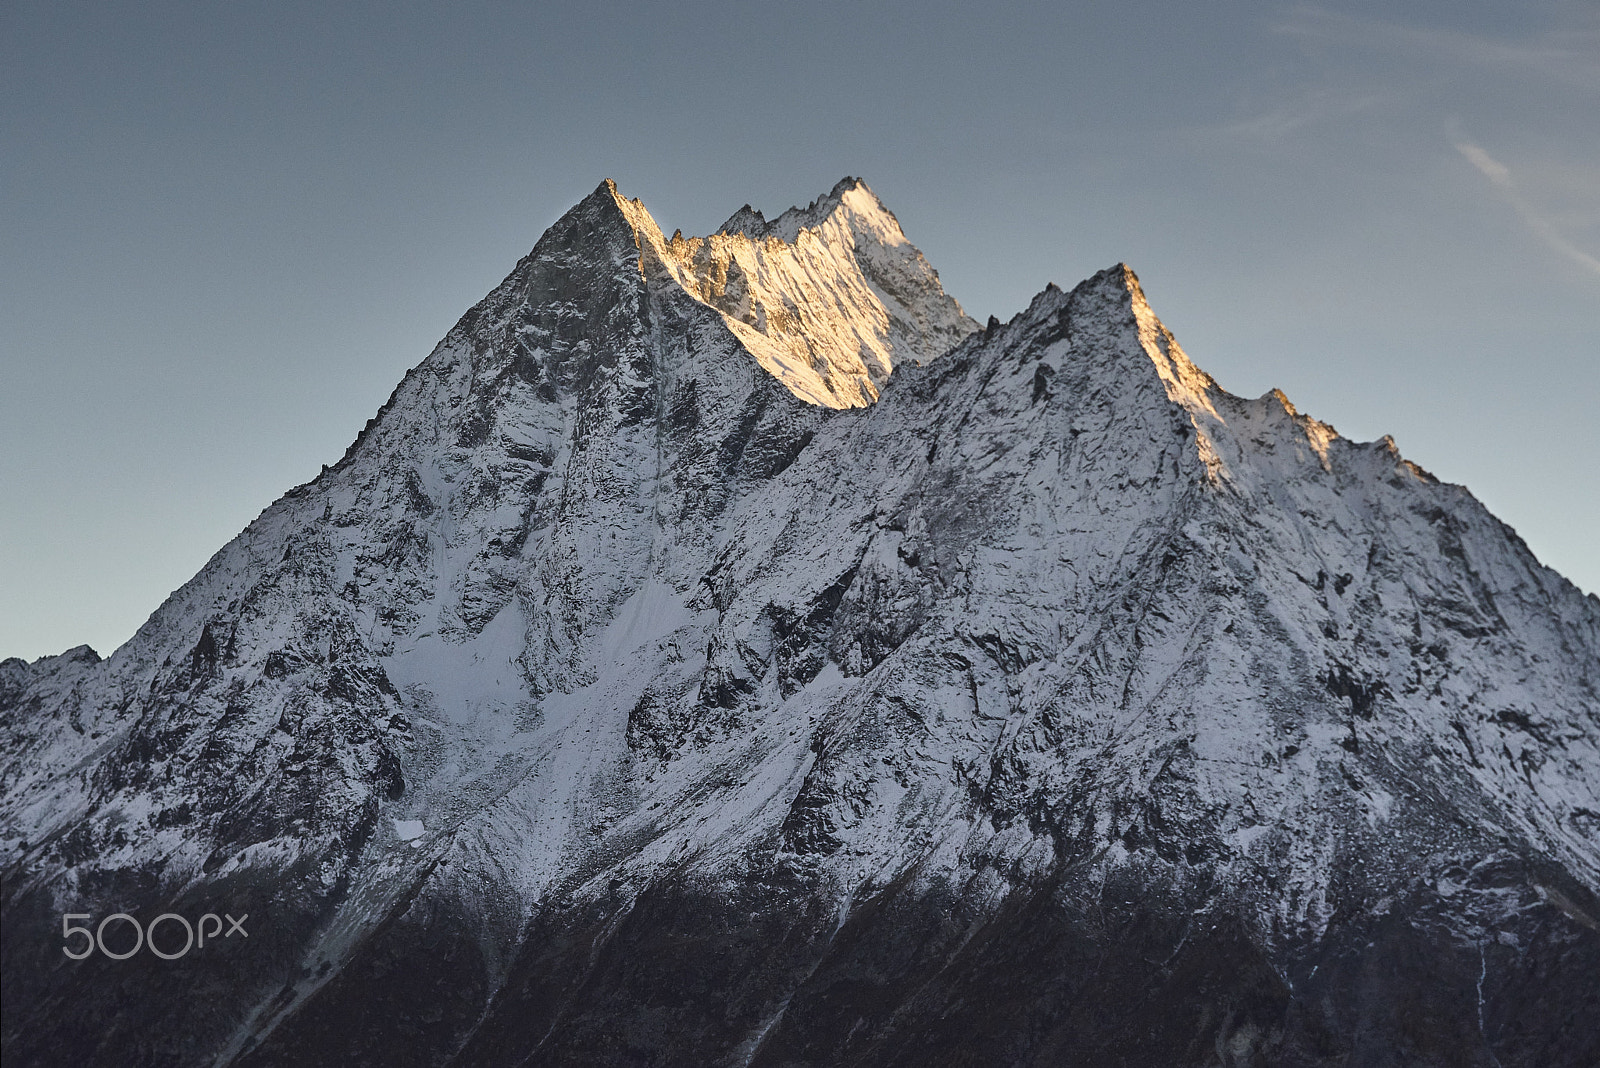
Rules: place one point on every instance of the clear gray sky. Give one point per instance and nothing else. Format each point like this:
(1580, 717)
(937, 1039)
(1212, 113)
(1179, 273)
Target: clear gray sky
(226, 230)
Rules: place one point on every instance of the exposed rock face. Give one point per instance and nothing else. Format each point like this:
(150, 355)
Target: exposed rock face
(632, 694)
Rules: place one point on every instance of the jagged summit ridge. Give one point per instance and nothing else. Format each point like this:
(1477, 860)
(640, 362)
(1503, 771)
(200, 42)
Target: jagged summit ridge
(786, 227)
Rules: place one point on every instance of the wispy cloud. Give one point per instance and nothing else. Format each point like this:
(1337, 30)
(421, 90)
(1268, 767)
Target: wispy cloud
(1491, 168)
(1408, 63)
(1311, 108)
(1499, 176)
(1570, 56)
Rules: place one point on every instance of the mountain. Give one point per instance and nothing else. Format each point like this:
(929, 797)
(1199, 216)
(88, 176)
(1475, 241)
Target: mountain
(723, 651)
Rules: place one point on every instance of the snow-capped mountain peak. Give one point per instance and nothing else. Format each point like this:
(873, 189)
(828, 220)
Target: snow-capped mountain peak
(828, 298)
(659, 679)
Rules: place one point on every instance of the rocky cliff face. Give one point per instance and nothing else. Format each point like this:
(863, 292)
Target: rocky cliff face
(658, 680)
